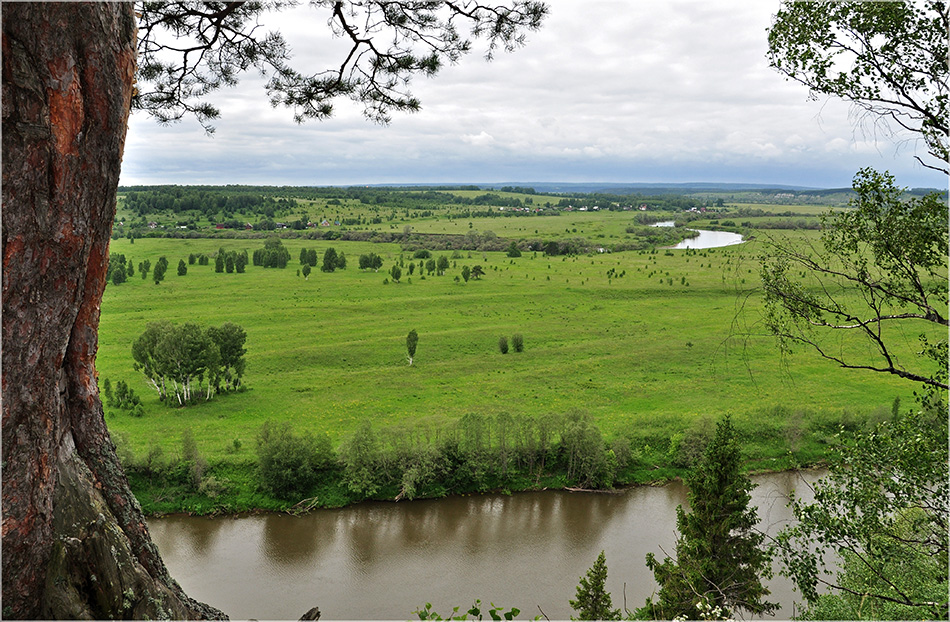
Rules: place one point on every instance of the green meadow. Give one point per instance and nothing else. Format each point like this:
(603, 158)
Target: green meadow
(665, 343)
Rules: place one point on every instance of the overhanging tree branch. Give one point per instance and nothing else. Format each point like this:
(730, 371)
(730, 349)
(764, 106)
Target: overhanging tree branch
(391, 43)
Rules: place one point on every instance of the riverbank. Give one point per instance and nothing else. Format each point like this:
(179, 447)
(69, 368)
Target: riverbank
(232, 489)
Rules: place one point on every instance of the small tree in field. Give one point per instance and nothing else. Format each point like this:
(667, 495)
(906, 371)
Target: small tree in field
(306, 271)
(412, 339)
(158, 274)
(503, 344)
(182, 268)
(329, 260)
(442, 265)
(593, 600)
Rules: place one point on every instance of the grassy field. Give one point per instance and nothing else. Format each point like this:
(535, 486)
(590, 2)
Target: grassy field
(672, 344)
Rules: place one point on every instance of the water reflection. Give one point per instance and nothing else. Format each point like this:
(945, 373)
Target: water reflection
(383, 560)
(289, 540)
(705, 238)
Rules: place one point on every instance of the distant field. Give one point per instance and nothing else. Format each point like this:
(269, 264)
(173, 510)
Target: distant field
(672, 343)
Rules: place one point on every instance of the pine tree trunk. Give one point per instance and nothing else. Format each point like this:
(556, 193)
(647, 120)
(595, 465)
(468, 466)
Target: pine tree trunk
(75, 542)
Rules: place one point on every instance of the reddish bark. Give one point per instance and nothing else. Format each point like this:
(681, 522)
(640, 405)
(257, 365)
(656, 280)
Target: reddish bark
(75, 542)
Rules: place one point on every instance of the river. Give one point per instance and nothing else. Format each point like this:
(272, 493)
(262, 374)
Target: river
(706, 238)
(384, 560)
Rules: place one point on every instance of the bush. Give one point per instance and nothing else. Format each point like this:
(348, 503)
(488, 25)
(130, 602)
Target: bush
(288, 464)
(503, 344)
(517, 342)
(361, 461)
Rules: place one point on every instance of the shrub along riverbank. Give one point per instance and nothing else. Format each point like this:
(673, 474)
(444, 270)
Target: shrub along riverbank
(291, 470)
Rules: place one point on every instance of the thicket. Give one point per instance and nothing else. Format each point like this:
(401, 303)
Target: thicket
(478, 453)
(119, 269)
(289, 464)
(273, 255)
(475, 453)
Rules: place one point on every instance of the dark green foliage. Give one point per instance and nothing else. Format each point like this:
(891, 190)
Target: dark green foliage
(442, 264)
(362, 469)
(219, 263)
(412, 340)
(273, 255)
(158, 274)
(107, 391)
(474, 613)
(592, 601)
(305, 270)
(144, 268)
(396, 273)
(430, 266)
(503, 344)
(375, 262)
(466, 273)
(720, 561)
(889, 58)
(229, 339)
(422, 254)
(883, 510)
(477, 272)
(513, 250)
(182, 268)
(123, 396)
(585, 453)
(332, 260)
(289, 465)
(517, 342)
(117, 272)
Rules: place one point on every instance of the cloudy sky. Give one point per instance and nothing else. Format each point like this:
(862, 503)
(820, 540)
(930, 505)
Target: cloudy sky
(607, 91)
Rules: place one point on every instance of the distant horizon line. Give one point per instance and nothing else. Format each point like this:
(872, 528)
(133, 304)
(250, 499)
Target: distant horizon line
(551, 186)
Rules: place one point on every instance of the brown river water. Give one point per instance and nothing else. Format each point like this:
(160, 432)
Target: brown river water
(384, 560)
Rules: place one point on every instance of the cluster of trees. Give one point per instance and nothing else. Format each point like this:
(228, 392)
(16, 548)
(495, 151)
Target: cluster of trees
(308, 256)
(119, 269)
(332, 260)
(273, 255)
(478, 453)
(177, 360)
(209, 201)
(475, 272)
(200, 258)
(370, 261)
(617, 201)
(234, 261)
